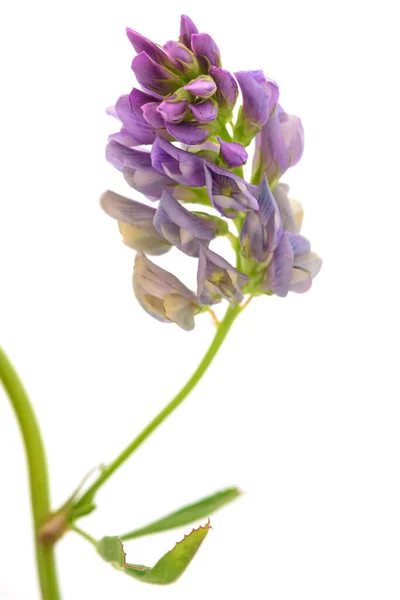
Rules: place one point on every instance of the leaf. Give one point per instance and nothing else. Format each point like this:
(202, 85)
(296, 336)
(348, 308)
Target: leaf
(171, 566)
(111, 549)
(168, 569)
(187, 514)
(82, 511)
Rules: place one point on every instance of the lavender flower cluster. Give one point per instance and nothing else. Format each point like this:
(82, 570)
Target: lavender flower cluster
(185, 112)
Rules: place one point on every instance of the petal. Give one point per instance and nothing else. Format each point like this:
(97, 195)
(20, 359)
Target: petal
(137, 99)
(136, 126)
(308, 262)
(184, 167)
(253, 237)
(260, 96)
(202, 87)
(173, 112)
(228, 192)
(232, 153)
(301, 281)
(218, 277)
(181, 55)
(299, 243)
(121, 156)
(143, 44)
(187, 133)
(290, 210)
(180, 310)
(206, 51)
(152, 115)
(279, 145)
(187, 29)
(150, 279)
(126, 210)
(143, 239)
(205, 112)
(293, 136)
(227, 88)
(148, 181)
(153, 76)
(279, 271)
(171, 211)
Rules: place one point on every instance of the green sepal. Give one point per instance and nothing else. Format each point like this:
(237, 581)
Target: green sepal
(187, 514)
(244, 132)
(190, 195)
(220, 226)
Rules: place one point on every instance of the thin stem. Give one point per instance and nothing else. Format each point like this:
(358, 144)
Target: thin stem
(219, 337)
(84, 534)
(38, 477)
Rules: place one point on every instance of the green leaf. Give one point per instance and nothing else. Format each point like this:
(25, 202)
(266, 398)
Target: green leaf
(82, 511)
(187, 514)
(111, 549)
(171, 566)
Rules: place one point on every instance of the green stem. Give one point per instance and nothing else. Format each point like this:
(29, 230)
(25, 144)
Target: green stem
(84, 534)
(220, 335)
(38, 477)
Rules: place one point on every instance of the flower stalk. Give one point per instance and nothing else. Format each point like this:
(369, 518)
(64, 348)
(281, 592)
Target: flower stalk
(220, 335)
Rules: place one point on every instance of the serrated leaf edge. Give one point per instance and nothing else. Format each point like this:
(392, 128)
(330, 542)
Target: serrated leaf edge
(207, 526)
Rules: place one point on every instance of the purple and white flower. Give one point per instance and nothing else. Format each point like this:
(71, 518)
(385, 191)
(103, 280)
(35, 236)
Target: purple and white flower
(228, 192)
(162, 295)
(138, 171)
(217, 279)
(183, 167)
(181, 227)
(260, 96)
(135, 222)
(279, 145)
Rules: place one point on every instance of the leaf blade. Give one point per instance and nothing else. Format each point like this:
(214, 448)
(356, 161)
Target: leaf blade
(187, 514)
(171, 566)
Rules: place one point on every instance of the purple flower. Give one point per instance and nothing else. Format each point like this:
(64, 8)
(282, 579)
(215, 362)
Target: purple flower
(217, 279)
(228, 192)
(173, 110)
(184, 167)
(279, 145)
(182, 228)
(138, 171)
(154, 77)
(162, 295)
(135, 222)
(178, 101)
(279, 271)
(306, 264)
(152, 115)
(262, 228)
(206, 51)
(292, 267)
(202, 87)
(260, 96)
(205, 112)
(183, 59)
(290, 210)
(189, 133)
(152, 50)
(135, 130)
(227, 89)
(233, 154)
(187, 29)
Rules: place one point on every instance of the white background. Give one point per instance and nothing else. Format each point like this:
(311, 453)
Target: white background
(301, 408)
